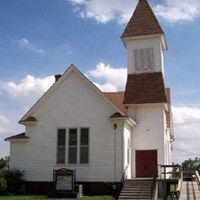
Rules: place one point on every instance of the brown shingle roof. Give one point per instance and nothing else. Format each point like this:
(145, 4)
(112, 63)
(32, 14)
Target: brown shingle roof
(117, 98)
(145, 88)
(18, 136)
(142, 22)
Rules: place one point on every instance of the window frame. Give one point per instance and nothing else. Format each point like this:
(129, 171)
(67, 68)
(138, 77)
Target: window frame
(59, 146)
(88, 145)
(78, 145)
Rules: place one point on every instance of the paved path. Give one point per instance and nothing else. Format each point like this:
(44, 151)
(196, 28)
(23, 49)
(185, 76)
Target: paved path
(190, 191)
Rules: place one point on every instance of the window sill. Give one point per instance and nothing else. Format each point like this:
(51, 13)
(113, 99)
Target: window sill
(71, 165)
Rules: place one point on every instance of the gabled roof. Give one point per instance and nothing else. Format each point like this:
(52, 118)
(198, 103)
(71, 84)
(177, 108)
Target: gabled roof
(17, 137)
(117, 115)
(51, 90)
(145, 88)
(30, 119)
(118, 99)
(143, 22)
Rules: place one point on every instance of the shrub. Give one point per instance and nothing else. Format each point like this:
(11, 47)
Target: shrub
(14, 180)
(3, 184)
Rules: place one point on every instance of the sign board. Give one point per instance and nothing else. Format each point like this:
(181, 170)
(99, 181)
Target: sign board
(64, 180)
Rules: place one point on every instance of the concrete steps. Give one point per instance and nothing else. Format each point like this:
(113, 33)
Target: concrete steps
(136, 190)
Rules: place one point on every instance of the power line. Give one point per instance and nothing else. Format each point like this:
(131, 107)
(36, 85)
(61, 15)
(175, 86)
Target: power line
(187, 152)
(183, 155)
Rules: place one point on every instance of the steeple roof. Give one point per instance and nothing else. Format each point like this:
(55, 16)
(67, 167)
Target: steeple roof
(142, 22)
(145, 88)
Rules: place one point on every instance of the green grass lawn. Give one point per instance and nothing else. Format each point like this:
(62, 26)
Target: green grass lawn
(98, 198)
(44, 197)
(22, 197)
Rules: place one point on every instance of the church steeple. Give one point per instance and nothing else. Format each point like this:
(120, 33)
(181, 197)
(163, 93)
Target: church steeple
(145, 41)
(143, 22)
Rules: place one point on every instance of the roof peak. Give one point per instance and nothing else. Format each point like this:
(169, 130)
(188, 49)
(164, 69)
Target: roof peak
(142, 22)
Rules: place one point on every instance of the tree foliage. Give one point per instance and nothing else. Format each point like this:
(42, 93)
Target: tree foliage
(191, 164)
(4, 162)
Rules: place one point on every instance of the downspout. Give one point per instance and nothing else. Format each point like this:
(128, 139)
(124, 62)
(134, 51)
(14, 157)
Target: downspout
(115, 148)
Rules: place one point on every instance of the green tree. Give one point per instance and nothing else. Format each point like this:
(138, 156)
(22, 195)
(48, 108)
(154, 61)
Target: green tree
(191, 164)
(4, 162)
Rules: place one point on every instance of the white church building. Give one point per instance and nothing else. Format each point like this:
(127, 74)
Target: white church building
(101, 135)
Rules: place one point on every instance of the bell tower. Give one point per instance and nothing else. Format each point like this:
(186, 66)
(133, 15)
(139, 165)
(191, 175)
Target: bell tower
(144, 40)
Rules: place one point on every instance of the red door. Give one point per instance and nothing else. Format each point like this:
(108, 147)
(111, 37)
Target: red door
(146, 163)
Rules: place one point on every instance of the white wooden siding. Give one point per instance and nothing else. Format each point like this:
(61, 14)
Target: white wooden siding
(74, 104)
(149, 134)
(126, 140)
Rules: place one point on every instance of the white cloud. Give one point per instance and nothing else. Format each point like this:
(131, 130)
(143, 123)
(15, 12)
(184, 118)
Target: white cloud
(179, 10)
(26, 44)
(107, 87)
(104, 11)
(186, 128)
(114, 79)
(28, 89)
(21, 95)
(8, 127)
(4, 122)
(186, 115)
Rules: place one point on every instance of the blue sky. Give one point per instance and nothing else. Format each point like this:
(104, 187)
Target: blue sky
(39, 38)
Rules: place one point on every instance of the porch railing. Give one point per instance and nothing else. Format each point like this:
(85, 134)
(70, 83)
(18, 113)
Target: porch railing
(170, 172)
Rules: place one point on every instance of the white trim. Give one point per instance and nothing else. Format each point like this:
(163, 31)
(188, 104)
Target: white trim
(161, 35)
(146, 104)
(18, 140)
(128, 120)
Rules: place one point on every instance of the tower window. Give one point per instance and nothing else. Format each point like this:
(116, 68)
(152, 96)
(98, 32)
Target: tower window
(144, 59)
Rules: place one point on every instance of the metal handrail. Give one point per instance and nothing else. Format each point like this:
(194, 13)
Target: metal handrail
(153, 186)
(122, 181)
(123, 178)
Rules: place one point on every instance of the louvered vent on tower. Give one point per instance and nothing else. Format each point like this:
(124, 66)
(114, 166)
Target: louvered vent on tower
(144, 59)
